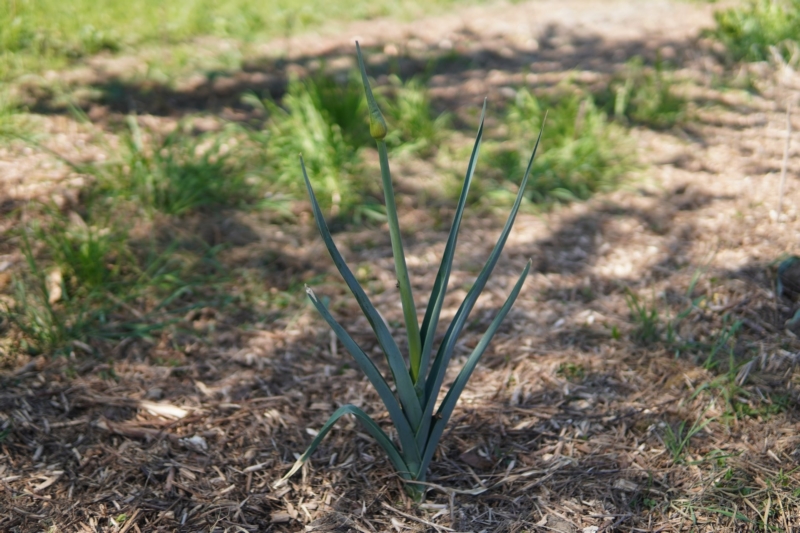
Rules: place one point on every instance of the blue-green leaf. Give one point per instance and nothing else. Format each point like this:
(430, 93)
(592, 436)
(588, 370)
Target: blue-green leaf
(405, 387)
(436, 375)
(431, 320)
(373, 429)
(448, 404)
(404, 431)
(377, 128)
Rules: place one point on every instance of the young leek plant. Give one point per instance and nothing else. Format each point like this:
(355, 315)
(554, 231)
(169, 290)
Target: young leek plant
(418, 420)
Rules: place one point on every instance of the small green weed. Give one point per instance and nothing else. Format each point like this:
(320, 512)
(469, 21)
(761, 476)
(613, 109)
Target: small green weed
(316, 118)
(641, 95)
(87, 255)
(571, 371)
(724, 344)
(748, 32)
(182, 173)
(413, 127)
(583, 152)
(323, 119)
(646, 319)
(676, 440)
(86, 282)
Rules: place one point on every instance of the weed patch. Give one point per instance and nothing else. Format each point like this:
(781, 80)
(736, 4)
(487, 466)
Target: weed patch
(582, 153)
(645, 96)
(317, 118)
(181, 173)
(323, 119)
(749, 32)
(84, 283)
(676, 439)
(413, 128)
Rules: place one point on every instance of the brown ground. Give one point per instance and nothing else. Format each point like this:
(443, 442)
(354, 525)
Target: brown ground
(562, 427)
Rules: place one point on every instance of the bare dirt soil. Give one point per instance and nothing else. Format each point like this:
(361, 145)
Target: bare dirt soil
(565, 425)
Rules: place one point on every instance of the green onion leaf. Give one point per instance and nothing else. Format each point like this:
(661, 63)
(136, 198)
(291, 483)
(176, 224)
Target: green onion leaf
(373, 429)
(436, 376)
(404, 431)
(448, 404)
(405, 388)
(431, 320)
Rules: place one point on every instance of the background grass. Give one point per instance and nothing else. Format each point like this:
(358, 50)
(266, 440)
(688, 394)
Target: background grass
(748, 32)
(47, 33)
(142, 249)
(581, 153)
(644, 95)
(154, 176)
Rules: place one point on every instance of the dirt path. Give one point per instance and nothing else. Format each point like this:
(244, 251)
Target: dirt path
(567, 421)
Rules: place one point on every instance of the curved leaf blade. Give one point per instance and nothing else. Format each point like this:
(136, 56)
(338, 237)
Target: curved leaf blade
(404, 431)
(405, 387)
(431, 320)
(448, 404)
(436, 376)
(369, 425)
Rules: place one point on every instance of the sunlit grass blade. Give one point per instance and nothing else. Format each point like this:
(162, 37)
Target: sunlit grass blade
(410, 450)
(431, 320)
(405, 387)
(448, 404)
(377, 128)
(436, 376)
(373, 429)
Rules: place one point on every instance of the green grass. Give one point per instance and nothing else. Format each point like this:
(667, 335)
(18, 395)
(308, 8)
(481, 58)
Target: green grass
(582, 152)
(106, 270)
(86, 271)
(644, 96)
(182, 172)
(36, 34)
(414, 127)
(323, 119)
(646, 319)
(676, 439)
(88, 279)
(749, 31)
(317, 118)
(14, 122)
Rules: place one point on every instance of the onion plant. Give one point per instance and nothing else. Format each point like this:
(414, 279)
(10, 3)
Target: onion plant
(418, 418)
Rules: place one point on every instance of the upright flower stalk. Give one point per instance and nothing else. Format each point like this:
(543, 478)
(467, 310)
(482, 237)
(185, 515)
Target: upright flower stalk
(378, 130)
(417, 419)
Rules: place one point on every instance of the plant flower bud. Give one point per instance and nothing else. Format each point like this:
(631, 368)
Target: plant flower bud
(377, 125)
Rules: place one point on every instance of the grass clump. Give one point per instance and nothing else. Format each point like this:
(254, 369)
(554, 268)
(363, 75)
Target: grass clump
(676, 440)
(646, 319)
(749, 32)
(181, 172)
(323, 119)
(88, 279)
(416, 128)
(106, 270)
(583, 152)
(644, 96)
(317, 118)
